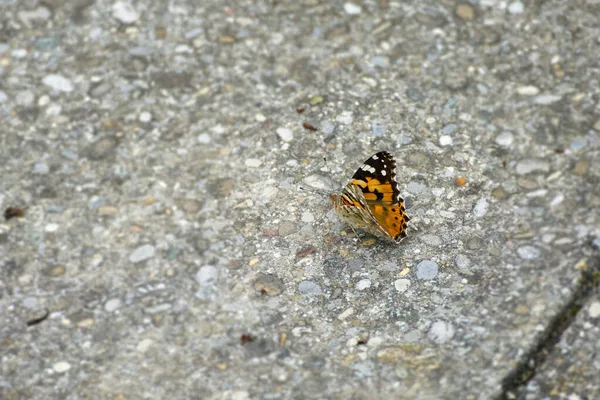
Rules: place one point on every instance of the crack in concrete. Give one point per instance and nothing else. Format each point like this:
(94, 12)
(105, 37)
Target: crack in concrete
(514, 383)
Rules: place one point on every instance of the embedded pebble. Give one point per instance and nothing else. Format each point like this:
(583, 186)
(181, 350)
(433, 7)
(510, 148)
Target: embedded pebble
(448, 129)
(504, 139)
(462, 262)
(101, 148)
(307, 216)
(401, 285)
(3, 96)
(309, 288)
(530, 165)
(58, 83)
(427, 270)
(25, 99)
(51, 228)
(204, 138)
(144, 345)
(363, 284)
(321, 182)
(145, 117)
(142, 253)
(352, 9)
(594, 310)
(207, 275)
(431, 240)
(528, 252)
(30, 302)
(41, 168)
(446, 140)
(578, 144)
(441, 332)
(285, 134)
(269, 284)
(378, 128)
(253, 162)
(124, 12)
(327, 127)
(481, 208)
(28, 17)
(546, 99)
(61, 366)
(465, 12)
(380, 61)
(346, 313)
(416, 187)
(528, 90)
(515, 7)
(286, 228)
(345, 118)
(112, 305)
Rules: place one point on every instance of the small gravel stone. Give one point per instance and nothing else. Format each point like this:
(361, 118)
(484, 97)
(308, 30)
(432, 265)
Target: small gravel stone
(207, 275)
(124, 12)
(142, 253)
(30, 302)
(285, 134)
(25, 98)
(441, 332)
(41, 168)
(58, 83)
(401, 285)
(515, 7)
(345, 118)
(346, 313)
(528, 90)
(112, 305)
(320, 182)
(481, 208)
(307, 217)
(253, 163)
(465, 12)
(448, 129)
(269, 284)
(101, 148)
(352, 9)
(363, 284)
(446, 140)
(309, 288)
(531, 165)
(505, 139)
(546, 99)
(327, 127)
(528, 252)
(462, 262)
(287, 228)
(3, 97)
(431, 240)
(378, 128)
(594, 310)
(427, 270)
(416, 187)
(61, 366)
(204, 138)
(145, 117)
(144, 345)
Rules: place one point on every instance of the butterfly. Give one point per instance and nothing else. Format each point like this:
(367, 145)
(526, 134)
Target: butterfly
(371, 200)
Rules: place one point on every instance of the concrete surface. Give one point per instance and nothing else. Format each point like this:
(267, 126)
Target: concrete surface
(177, 225)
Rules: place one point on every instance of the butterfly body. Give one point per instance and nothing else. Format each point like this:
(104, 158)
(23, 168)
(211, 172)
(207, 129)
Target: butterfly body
(371, 200)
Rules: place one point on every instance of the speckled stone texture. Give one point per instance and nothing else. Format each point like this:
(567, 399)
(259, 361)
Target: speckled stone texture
(175, 158)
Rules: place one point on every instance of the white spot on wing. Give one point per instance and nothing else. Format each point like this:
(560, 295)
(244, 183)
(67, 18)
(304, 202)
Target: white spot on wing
(383, 172)
(375, 157)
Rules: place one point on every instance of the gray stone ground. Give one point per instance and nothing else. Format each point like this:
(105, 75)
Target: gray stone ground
(177, 225)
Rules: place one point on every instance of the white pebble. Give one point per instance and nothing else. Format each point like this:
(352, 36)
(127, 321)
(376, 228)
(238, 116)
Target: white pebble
(145, 117)
(504, 139)
(352, 9)
(516, 8)
(253, 162)
(112, 305)
(142, 253)
(528, 252)
(285, 134)
(594, 310)
(204, 138)
(441, 331)
(546, 99)
(51, 228)
(345, 118)
(445, 140)
(480, 208)
(527, 90)
(124, 12)
(58, 83)
(401, 285)
(61, 366)
(363, 284)
(260, 118)
(144, 345)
